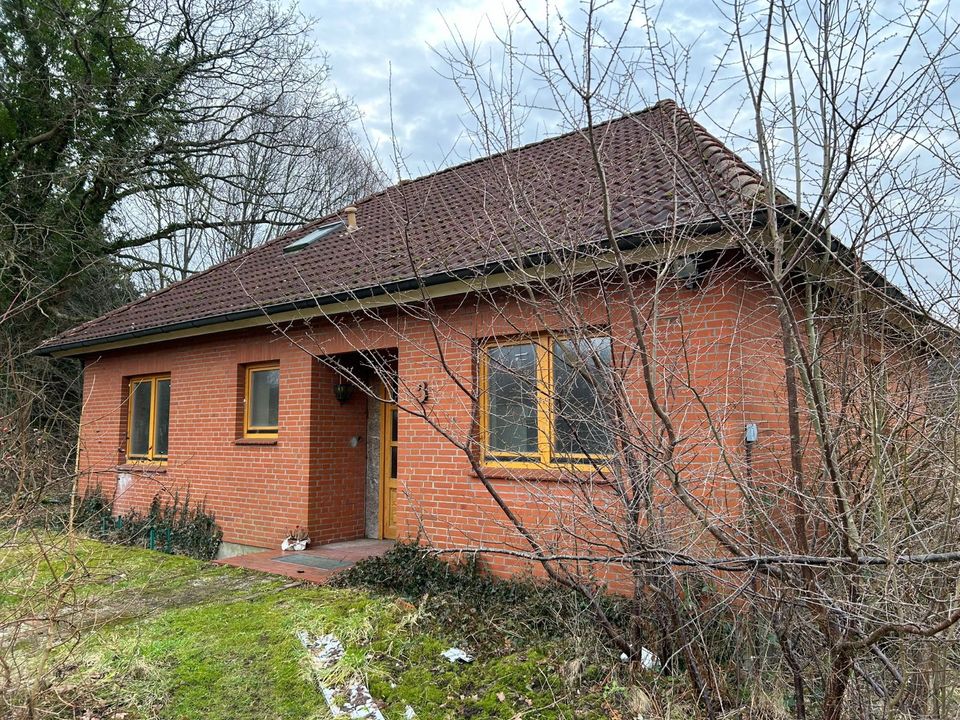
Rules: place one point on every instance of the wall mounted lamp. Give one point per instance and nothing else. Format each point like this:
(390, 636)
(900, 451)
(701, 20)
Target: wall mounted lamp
(342, 391)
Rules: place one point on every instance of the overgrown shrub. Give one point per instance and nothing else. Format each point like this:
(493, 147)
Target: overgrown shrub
(412, 571)
(175, 526)
(407, 569)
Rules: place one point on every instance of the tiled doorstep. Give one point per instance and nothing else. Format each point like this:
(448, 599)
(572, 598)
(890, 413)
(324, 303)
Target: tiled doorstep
(348, 551)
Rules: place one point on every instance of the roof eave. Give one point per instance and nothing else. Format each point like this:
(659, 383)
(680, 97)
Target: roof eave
(631, 242)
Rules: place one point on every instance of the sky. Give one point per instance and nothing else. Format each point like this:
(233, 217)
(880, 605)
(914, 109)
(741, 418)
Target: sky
(386, 56)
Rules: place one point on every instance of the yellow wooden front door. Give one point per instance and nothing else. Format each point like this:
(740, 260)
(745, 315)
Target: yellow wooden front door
(388, 472)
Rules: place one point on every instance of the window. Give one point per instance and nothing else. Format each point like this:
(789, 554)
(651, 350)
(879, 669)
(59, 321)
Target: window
(544, 401)
(261, 401)
(581, 391)
(148, 420)
(312, 237)
(512, 405)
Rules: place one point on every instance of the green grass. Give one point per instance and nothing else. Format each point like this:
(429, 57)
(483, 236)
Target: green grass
(214, 660)
(34, 562)
(169, 637)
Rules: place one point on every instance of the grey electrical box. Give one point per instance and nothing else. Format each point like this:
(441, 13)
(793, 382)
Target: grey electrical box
(750, 433)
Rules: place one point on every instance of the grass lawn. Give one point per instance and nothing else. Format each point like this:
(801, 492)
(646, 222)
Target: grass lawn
(148, 635)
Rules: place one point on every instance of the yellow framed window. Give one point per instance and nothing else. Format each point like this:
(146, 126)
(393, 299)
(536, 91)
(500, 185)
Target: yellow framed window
(148, 419)
(513, 418)
(545, 401)
(261, 400)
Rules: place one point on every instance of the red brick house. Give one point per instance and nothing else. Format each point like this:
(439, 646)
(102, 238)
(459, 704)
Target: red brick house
(261, 383)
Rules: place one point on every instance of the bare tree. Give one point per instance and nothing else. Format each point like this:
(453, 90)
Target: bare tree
(808, 567)
(111, 108)
(212, 119)
(255, 191)
(150, 136)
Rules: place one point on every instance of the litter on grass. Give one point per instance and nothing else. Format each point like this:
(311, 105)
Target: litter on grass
(456, 655)
(353, 699)
(326, 650)
(648, 660)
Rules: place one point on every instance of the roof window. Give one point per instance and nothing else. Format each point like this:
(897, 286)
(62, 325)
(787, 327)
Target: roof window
(312, 237)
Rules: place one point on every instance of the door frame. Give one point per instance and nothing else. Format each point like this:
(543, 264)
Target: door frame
(386, 443)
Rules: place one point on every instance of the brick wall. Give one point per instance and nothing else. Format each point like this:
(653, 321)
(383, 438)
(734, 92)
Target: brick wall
(258, 491)
(718, 367)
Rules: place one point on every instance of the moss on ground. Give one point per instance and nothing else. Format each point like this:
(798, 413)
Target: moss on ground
(32, 562)
(170, 637)
(219, 659)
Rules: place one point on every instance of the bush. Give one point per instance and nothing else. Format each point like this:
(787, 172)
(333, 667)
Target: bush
(412, 571)
(407, 569)
(172, 527)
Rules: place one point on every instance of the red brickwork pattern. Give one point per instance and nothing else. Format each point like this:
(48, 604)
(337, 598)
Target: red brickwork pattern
(719, 366)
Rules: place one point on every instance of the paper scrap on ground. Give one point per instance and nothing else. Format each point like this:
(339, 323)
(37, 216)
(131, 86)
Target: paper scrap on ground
(455, 655)
(325, 650)
(352, 700)
(294, 544)
(648, 660)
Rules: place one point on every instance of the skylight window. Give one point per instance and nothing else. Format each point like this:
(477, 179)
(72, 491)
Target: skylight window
(312, 237)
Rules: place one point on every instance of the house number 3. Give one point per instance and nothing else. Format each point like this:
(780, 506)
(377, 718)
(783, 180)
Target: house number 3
(423, 392)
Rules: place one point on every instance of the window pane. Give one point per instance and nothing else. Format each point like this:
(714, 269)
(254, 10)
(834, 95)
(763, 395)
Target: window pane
(264, 398)
(162, 418)
(140, 418)
(512, 401)
(581, 390)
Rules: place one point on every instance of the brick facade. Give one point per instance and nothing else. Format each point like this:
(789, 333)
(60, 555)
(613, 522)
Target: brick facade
(719, 364)
(259, 490)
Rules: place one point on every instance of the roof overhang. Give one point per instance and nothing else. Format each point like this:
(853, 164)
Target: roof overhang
(636, 250)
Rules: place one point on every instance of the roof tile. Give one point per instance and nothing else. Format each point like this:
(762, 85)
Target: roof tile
(662, 169)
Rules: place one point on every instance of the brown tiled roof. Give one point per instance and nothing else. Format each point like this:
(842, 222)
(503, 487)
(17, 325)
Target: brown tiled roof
(663, 169)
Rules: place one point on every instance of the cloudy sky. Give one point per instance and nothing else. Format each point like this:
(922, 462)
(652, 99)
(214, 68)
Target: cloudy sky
(387, 55)
(367, 43)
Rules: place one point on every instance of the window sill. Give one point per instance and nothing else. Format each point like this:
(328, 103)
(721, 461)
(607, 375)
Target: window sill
(542, 474)
(147, 466)
(255, 441)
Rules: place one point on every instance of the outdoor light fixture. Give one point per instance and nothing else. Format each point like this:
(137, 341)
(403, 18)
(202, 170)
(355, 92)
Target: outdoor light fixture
(342, 391)
(688, 270)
